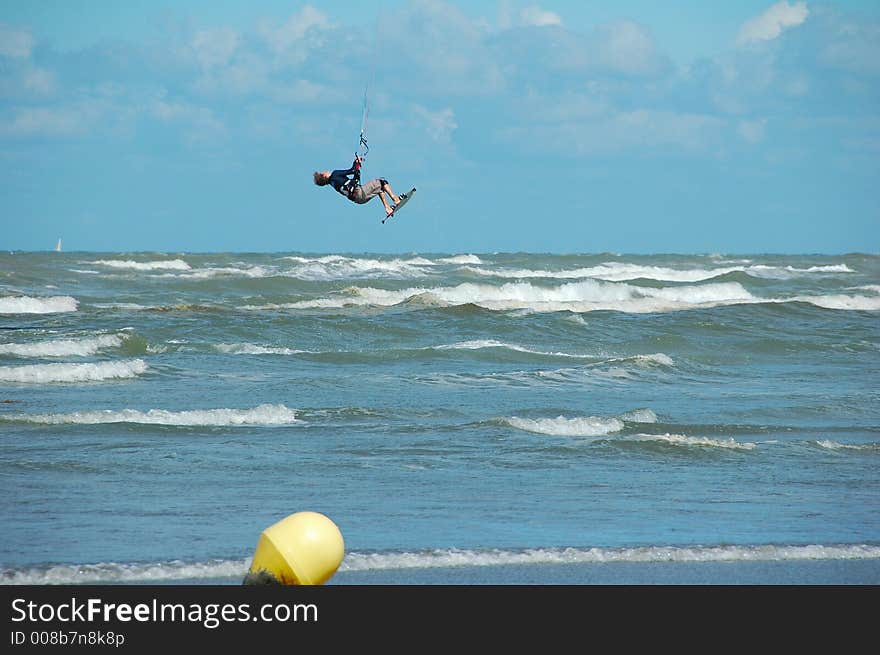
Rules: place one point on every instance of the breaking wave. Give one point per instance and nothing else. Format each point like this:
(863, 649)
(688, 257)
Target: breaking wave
(589, 426)
(62, 347)
(480, 344)
(91, 372)
(334, 267)
(253, 349)
(262, 415)
(583, 296)
(841, 301)
(686, 441)
(29, 305)
(110, 572)
(600, 426)
(461, 259)
(157, 265)
(834, 445)
(582, 426)
(619, 272)
(451, 558)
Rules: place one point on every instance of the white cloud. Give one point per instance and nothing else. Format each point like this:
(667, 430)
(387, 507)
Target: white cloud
(39, 81)
(752, 131)
(853, 46)
(294, 30)
(78, 118)
(248, 74)
(44, 121)
(303, 91)
(439, 49)
(439, 125)
(200, 124)
(15, 43)
(535, 16)
(619, 132)
(773, 22)
(627, 47)
(215, 47)
(649, 128)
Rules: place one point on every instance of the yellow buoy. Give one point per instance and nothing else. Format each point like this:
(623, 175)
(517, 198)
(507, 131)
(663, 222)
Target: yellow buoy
(305, 548)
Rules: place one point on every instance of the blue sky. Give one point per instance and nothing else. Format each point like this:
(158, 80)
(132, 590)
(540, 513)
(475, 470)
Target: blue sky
(628, 126)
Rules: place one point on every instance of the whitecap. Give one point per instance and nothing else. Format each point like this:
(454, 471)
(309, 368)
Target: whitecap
(336, 267)
(354, 561)
(163, 264)
(30, 305)
(462, 259)
(265, 414)
(840, 301)
(82, 347)
(684, 440)
(90, 372)
(834, 445)
(584, 426)
(639, 416)
(582, 296)
(443, 558)
(480, 344)
(254, 349)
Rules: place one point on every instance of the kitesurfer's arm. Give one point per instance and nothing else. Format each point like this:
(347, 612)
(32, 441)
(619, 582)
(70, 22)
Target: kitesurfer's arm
(340, 178)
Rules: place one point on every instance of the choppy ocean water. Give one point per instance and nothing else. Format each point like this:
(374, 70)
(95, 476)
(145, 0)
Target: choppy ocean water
(159, 410)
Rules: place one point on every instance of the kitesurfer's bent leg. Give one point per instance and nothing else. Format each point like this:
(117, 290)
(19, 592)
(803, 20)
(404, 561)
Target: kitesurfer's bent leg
(388, 208)
(386, 187)
(378, 187)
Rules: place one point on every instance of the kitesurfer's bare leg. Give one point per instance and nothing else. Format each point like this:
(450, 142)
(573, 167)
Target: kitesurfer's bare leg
(387, 189)
(388, 208)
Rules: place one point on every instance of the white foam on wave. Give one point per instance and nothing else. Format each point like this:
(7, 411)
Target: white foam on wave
(254, 349)
(461, 259)
(639, 416)
(335, 267)
(686, 441)
(648, 554)
(621, 271)
(600, 426)
(265, 414)
(614, 370)
(830, 268)
(834, 445)
(90, 372)
(584, 426)
(30, 305)
(111, 572)
(82, 347)
(480, 344)
(121, 305)
(612, 272)
(583, 296)
(72, 574)
(841, 301)
(253, 272)
(581, 426)
(161, 264)
(653, 359)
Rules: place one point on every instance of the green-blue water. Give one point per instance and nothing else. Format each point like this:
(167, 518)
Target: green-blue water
(159, 410)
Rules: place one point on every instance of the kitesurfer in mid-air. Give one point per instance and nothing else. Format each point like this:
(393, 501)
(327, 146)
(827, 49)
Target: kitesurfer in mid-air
(348, 183)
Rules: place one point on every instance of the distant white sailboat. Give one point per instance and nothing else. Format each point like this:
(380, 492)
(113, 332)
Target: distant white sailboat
(58, 246)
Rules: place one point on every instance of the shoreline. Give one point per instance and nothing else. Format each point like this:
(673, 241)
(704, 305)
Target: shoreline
(757, 573)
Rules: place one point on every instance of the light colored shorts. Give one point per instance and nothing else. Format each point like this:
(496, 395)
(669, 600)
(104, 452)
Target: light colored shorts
(368, 191)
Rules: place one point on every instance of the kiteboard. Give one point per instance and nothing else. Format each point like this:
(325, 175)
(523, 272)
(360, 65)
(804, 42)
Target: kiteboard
(404, 198)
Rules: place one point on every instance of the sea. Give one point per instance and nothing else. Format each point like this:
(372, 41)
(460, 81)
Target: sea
(463, 418)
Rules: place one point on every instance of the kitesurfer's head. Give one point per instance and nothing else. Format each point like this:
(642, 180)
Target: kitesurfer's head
(322, 178)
